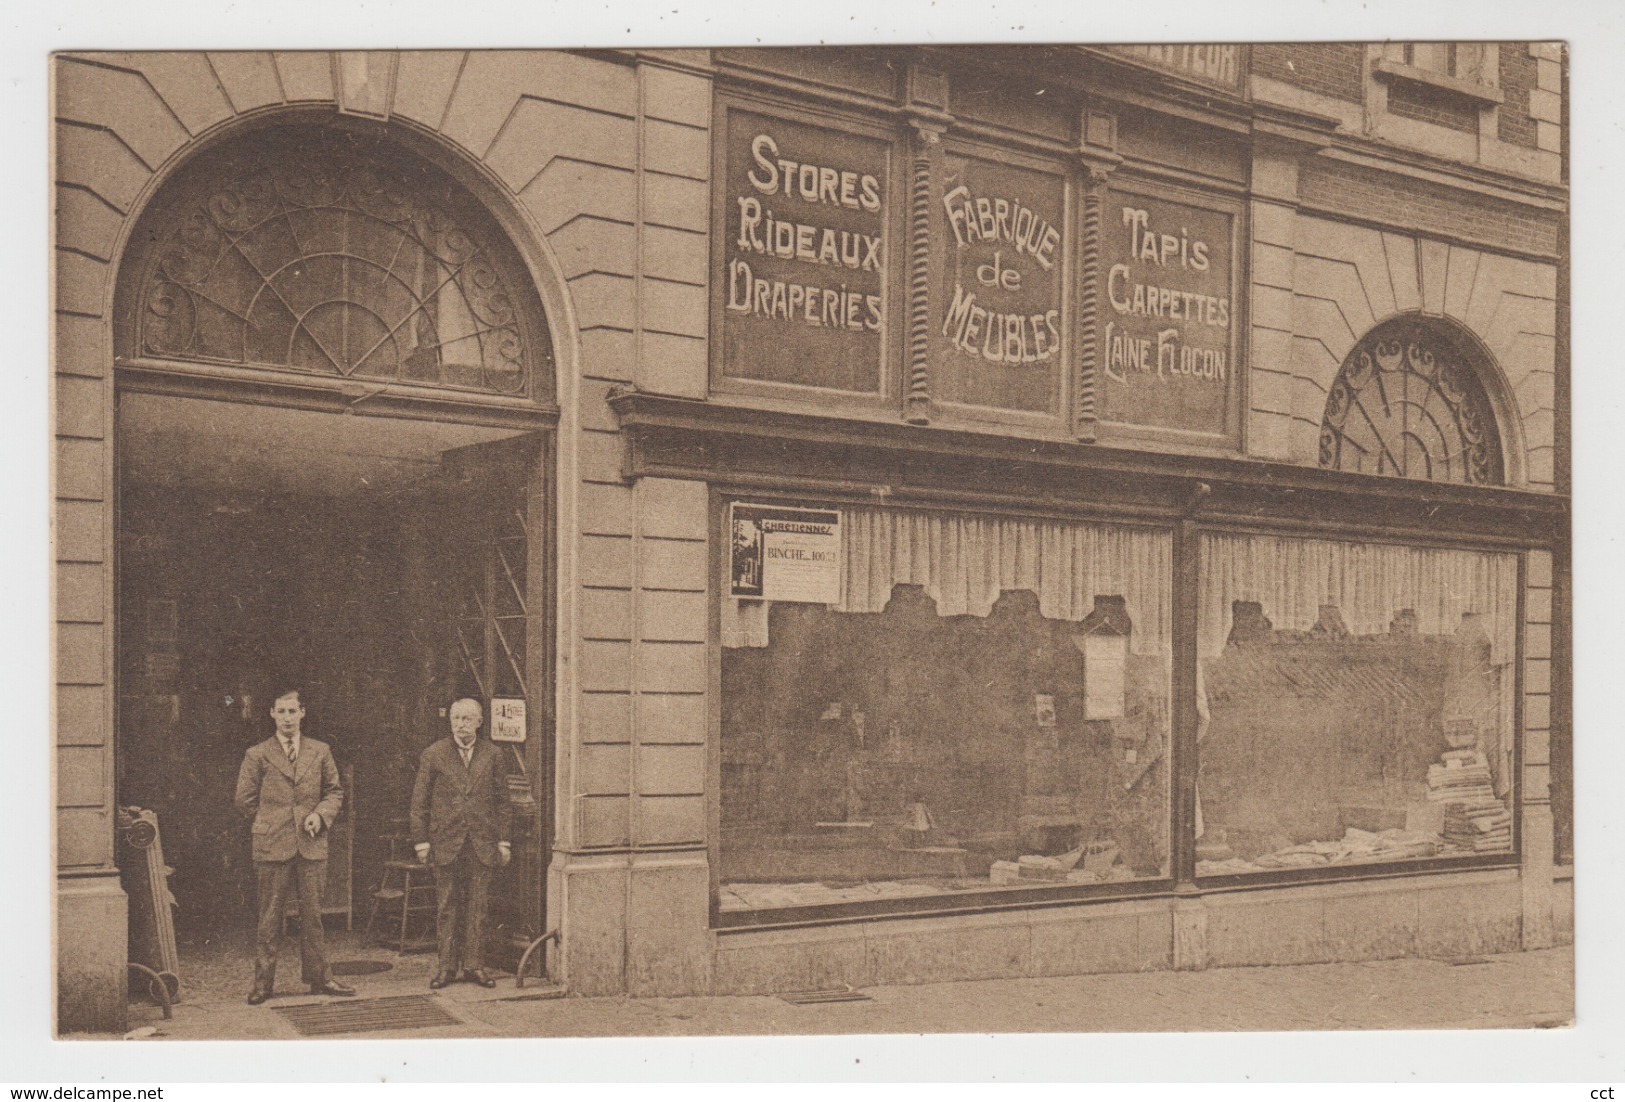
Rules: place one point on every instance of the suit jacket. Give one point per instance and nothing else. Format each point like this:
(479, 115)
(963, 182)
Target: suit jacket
(277, 795)
(453, 803)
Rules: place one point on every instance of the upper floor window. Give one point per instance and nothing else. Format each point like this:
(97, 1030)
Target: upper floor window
(1463, 60)
(329, 252)
(1446, 83)
(1408, 402)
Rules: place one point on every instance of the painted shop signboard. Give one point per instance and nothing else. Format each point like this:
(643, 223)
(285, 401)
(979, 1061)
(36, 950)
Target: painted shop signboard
(1168, 318)
(804, 255)
(782, 554)
(1000, 246)
(805, 259)
(1218, 64)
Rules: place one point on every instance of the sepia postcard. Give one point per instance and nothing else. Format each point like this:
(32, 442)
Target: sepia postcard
(812, 540)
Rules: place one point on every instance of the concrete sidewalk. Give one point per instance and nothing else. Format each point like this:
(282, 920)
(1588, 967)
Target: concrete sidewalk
(1517, 990)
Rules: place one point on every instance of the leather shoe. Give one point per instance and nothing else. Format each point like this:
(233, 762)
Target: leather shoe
(440, 980)
(331, 987)
(479, 976)
(257, 997)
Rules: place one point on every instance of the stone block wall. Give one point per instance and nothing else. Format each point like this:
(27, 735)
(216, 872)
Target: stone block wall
(1543, 920)
(599, 170)
(1319, 285)
(636, 784)
(1445, 916)
(1061, 941)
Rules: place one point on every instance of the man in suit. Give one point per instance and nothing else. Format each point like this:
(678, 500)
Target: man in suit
(460, 821)
(289, 787)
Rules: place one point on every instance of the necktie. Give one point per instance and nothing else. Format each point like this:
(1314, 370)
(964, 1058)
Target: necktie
(293, 751)
(467, 752)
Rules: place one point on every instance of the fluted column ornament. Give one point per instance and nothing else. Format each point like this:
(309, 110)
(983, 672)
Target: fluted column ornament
(1097, 158)
(925, 144)
(928, 120)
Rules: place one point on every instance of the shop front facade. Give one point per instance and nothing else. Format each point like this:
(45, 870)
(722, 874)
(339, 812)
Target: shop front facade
(932, 514)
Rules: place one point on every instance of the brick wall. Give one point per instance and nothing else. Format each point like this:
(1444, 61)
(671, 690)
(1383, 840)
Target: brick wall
(1433, 208)
(1331, 68)
(1411, 102)
(1519, 72)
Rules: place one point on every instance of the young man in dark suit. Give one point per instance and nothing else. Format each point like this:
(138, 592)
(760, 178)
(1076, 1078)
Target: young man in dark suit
(460, 820)
(289, 787)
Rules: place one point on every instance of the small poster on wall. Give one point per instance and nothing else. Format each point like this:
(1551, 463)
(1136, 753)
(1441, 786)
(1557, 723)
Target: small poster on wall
(1105, 675)
(780, 554)
(507, 719)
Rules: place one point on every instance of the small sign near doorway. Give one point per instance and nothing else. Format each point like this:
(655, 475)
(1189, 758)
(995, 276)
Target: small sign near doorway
(507, 719)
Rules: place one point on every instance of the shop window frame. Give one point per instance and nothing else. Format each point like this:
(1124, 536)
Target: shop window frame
(975, 901)
(805, 458)
(1183, 759)
(1414, 866)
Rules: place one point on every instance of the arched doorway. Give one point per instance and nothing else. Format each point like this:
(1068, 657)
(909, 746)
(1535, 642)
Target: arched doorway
(1410, 401)
(336, 394)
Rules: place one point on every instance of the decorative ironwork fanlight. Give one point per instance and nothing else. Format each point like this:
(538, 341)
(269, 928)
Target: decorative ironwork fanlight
(1408, 402)
(325, 251)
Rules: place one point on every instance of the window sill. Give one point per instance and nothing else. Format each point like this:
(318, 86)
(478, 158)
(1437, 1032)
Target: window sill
(1356, 871)
(977, 903)
(938, 906)
(1484, 95)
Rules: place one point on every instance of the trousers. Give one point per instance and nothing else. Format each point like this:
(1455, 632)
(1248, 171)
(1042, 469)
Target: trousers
(275, 878)
(462, 891)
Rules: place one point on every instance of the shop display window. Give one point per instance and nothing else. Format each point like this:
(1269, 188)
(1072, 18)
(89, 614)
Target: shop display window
(1355, 704)
(985, 709)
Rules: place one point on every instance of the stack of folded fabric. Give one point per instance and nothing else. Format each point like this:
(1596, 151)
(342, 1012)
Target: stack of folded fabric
(1461, 776)
(1475, 819)
(1355, 845)
(1385, 845)
(1482, 829)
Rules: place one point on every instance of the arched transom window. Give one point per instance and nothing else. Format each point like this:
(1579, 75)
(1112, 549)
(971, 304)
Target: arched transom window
(1408, 402)
(328, 252)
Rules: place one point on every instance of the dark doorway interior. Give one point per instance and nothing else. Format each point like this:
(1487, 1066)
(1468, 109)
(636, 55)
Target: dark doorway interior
(351, 556)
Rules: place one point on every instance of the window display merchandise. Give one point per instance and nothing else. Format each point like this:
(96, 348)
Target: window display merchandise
(987, 708)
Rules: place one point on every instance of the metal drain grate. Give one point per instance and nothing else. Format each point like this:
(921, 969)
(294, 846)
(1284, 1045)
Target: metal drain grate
(367, 1015)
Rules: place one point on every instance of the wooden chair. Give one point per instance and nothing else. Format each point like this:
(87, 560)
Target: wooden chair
(406, 888)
